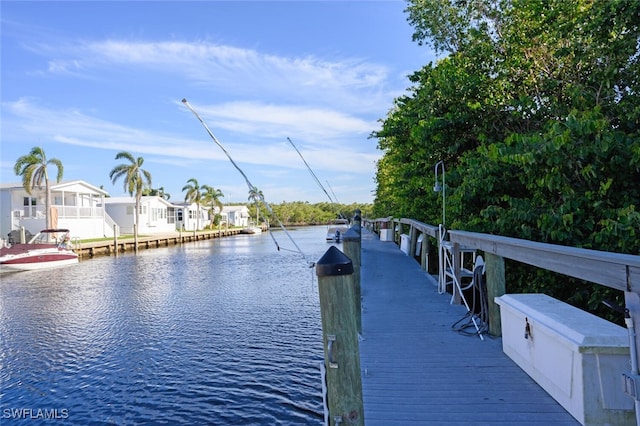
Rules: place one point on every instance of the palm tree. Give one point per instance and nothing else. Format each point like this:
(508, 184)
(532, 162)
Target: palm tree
(194, 195)
(135, 178)
(211, 198)
(162, 194)
(157, 192)
(256, 196)
(33, 169)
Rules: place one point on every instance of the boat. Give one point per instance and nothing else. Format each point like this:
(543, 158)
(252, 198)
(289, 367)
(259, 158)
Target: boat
(49, 248)
(336, 229)
(251, 229)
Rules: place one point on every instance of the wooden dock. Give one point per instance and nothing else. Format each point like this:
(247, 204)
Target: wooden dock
(416, 370)
(109, 247)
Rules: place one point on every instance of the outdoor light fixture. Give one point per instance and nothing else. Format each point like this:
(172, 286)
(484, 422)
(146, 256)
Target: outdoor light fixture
(437, 187)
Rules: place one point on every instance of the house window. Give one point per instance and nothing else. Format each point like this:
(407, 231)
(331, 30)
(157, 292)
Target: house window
(85, 200)
(29, 206)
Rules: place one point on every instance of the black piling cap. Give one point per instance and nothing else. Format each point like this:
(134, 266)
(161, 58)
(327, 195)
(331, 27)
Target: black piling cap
(334, 262)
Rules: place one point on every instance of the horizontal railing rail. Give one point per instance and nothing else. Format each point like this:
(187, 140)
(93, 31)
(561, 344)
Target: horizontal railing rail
(430, 230)
(614, 270)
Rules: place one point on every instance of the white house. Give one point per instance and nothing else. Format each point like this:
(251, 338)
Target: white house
(156, 214)
(76, 205)
(190, 218)
(236, 215)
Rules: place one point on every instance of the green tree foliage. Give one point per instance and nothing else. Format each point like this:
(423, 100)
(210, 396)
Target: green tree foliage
(194, 193)
(257, 198)
(211, 198)
(33, 169)
(304, 213)
(134, 177)
(156, 192)
(534, 110)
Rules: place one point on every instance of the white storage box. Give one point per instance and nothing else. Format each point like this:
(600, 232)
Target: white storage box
(386, 235)
(405, 241)
(577, 357)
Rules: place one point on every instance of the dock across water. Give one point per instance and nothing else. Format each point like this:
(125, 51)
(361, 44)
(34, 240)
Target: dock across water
(416, 370)
(122, 245)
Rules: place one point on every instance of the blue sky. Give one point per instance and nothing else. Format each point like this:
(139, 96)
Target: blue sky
(86, 80)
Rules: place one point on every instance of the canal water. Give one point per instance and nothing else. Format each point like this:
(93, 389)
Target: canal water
(217, 332)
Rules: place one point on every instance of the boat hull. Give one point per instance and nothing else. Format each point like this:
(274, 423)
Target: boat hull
(33, 263)
(251, 230)
(48, 249)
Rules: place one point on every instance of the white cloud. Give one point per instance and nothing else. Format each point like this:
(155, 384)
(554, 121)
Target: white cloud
(251, 100)
(349, 84)
(75, 128)
(323, 126)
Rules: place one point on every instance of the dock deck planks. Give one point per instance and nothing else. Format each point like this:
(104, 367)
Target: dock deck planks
(416, 370)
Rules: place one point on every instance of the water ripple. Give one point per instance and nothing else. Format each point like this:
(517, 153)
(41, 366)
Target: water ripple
(216, 332)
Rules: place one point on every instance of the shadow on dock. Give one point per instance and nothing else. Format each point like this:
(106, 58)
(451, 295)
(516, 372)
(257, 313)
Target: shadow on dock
(416, 370)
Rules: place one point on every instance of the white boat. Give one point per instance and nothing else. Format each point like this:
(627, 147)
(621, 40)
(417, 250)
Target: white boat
(49, 248)
(336, 229)
(251, 229)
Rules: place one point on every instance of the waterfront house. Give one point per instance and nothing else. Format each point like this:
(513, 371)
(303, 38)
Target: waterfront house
(76, 205)
(190, 218)
(235, 215)
(156, 214)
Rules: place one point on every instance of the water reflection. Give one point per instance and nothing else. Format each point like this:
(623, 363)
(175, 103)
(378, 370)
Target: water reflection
(224, 331)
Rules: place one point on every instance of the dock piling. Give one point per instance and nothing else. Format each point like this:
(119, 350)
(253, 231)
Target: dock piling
(340, 336)
(351, 243)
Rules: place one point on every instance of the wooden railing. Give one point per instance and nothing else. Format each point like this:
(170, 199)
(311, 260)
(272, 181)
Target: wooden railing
(614, 270)
(417, 230)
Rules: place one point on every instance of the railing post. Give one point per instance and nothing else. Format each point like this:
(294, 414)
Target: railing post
(340, 338)
(357, 221)
(632, 304)
(455, 256)
(495, 288)
(351, 244)
(424, 253)
(413, 241)
(115, 239)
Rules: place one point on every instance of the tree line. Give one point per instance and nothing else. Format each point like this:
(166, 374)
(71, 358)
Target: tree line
(34, 170)
(305, 213)
(534, 110)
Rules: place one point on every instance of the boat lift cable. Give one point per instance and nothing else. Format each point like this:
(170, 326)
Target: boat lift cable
(310, 171)
(250, 185)
(331, 189)
(335, 198)
(314, 175)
